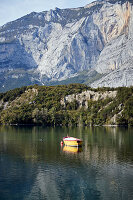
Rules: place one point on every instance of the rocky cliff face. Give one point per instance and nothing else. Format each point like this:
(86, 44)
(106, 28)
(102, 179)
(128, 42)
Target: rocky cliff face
(58, 44)
(83, 98)
(116, 59)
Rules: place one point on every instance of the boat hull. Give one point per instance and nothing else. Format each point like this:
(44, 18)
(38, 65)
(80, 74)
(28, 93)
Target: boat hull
(73, 143)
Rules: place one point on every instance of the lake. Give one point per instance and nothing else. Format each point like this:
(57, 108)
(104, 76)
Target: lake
(34, 166)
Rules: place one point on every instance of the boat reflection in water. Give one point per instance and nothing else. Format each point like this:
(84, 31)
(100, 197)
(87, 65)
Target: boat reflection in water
(69, 149)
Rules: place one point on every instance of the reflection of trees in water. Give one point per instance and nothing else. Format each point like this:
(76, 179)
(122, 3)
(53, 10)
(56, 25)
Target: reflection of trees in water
(110, 151)
(108, 144)
(104, 144)
(102, 170)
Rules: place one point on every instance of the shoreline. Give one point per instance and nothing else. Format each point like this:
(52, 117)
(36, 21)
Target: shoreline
(104, 125)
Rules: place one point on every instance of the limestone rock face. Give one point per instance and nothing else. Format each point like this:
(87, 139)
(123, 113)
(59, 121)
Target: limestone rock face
(116, 59)
(86, 96)
(58, 44)
(116, 78)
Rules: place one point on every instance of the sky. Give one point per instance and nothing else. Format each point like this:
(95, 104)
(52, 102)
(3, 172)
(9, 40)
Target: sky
(14, 9)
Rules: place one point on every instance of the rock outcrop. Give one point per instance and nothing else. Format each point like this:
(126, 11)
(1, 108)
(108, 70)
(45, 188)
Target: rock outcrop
(83, 98)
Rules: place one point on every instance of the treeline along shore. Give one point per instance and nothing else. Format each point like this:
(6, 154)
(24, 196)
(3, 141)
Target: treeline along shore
(67, 105)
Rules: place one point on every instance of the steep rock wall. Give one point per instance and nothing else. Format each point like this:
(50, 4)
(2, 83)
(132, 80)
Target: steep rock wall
(86, 96)
(61, 43)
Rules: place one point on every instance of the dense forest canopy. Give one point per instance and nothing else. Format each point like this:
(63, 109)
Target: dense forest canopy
(42, 105)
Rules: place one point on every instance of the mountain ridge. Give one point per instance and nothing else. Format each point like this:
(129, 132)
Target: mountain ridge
(60, 44)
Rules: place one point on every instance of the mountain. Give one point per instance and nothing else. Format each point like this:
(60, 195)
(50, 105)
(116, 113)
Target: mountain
(91, 44)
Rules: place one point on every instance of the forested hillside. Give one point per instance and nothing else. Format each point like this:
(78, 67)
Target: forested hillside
(43, 105)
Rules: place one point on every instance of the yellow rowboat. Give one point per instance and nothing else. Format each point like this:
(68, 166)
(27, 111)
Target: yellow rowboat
(71, 141)
(69, 149)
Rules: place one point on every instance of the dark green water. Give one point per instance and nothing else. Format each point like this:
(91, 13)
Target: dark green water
(34, 166)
